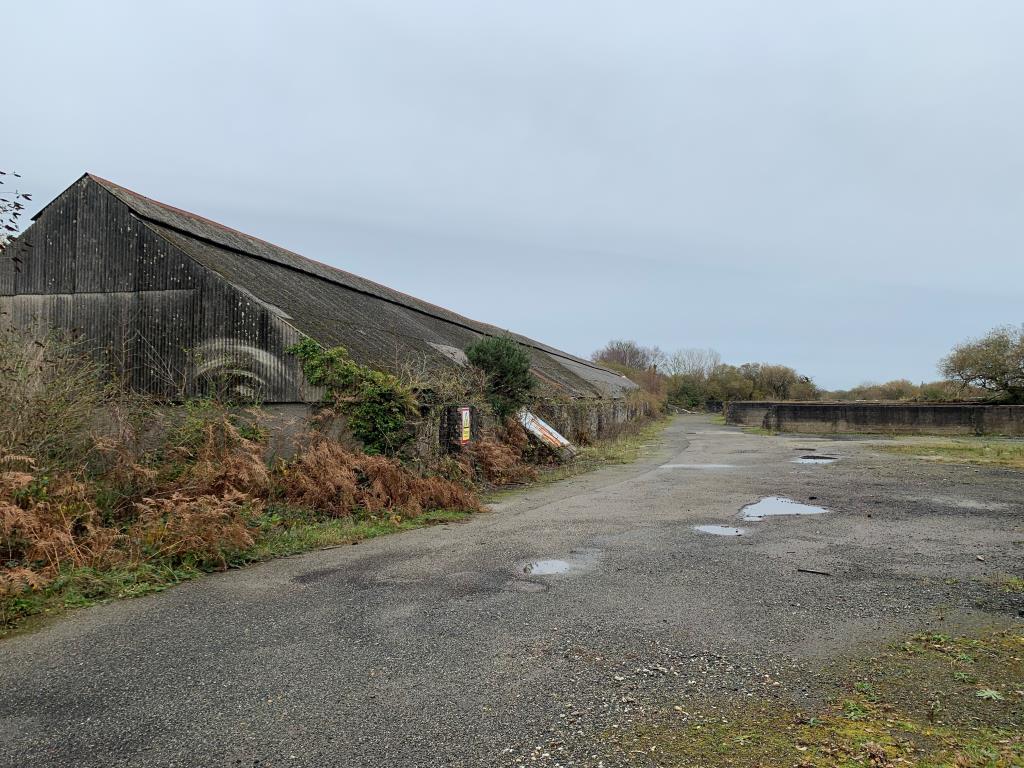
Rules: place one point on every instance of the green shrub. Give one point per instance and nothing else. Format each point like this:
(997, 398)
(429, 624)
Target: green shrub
(377, 404)
(510, 384)
(686, 391)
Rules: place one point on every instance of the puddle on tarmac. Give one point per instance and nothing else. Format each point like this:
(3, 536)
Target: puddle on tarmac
(815, 460)
(697, 466)
(576, 561)
(719, 530)
(771, 506)
(545, 567)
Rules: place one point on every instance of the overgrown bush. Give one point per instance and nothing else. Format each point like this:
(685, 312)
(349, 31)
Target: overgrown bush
(378, 406)
(327, 478)
(510, 384)
(503, 457)
(89, 510)
(86, 506)
(440, 385)
(499, 463)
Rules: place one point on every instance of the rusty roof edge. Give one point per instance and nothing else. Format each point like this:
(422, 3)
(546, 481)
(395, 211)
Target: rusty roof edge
(113, 188)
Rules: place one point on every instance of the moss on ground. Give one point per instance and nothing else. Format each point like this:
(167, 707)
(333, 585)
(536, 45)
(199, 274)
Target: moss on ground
(1000, 453)
(932, 702)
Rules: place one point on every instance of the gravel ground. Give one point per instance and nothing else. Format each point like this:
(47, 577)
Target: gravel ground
(446, 647)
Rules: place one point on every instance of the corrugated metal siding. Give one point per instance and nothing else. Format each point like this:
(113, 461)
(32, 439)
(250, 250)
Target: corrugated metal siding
(173, 328)
(228, 239)
(181, 304)
(376, 333)
(47, 260)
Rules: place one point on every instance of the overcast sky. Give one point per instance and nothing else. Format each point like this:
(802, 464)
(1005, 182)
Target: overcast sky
(838, 186)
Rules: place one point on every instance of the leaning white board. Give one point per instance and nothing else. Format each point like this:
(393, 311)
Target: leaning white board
(546, 434)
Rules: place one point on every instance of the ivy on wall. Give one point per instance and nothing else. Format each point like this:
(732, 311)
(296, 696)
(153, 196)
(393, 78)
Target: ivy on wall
(378, 406)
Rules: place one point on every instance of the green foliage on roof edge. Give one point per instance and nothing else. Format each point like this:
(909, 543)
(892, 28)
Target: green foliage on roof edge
(377, 404)
(506, 362)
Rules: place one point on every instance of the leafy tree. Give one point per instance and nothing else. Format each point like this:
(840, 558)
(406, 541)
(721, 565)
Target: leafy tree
(995, 363)
(760, 381)
(727, 382)
(506, 362)
(687, 391)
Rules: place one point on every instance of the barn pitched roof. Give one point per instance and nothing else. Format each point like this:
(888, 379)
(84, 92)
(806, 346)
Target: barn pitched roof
(379, 325)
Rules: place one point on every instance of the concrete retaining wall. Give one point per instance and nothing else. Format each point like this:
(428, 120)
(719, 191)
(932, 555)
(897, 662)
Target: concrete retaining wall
(884, 418)
(581, 421)
(584, 421)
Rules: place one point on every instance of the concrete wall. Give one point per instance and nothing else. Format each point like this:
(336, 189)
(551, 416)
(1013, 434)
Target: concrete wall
(883, 418)
(584, 421)
(580, 421)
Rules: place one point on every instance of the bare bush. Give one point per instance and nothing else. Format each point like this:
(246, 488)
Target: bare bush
(328, 478)
(697, 363)
(202, 529)
(500, 462)
(628, 354)
(47, 524)
(59, 404)
(12, 208)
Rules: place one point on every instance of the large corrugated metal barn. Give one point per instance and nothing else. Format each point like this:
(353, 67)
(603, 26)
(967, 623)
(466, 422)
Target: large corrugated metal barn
(179, 302)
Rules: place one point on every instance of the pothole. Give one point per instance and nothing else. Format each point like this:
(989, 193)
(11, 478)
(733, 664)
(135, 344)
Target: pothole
(545, 567)
(771, 506)
(815, 460)
(720, 530)
(576, 560)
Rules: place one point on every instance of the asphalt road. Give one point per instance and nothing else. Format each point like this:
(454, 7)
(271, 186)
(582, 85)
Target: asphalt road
(435, 648)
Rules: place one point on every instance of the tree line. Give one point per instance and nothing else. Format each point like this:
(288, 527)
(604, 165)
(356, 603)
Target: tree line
(697, 378)
(989, 368)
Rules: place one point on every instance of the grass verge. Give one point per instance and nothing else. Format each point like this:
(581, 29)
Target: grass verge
(283, 531)
(931, 701)
(624, 449)
(280, 531)
(1000, 453)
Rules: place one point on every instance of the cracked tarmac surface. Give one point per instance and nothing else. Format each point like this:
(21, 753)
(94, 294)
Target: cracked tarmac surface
(440, 647)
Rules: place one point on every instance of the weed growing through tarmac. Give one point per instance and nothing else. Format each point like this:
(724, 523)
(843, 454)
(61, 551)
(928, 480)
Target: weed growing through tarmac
(1006, 583)
(624, 449)
(930, 701)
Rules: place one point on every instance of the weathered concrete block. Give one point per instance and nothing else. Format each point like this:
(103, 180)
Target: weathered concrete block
(878, 417)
